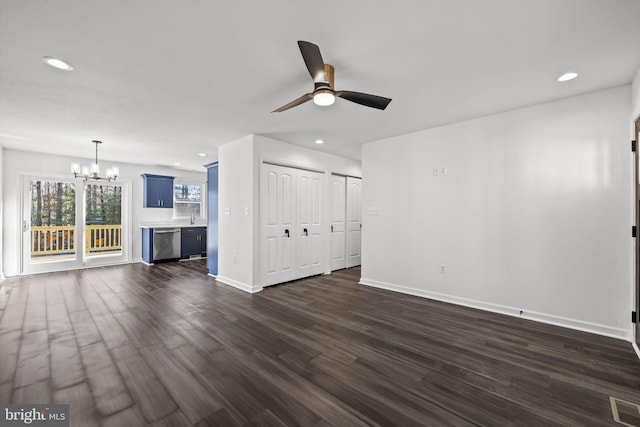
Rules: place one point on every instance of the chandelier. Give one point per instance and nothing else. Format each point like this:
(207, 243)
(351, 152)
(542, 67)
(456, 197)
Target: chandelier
(93, 171)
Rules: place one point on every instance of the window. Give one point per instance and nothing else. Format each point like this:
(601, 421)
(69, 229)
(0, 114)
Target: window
(188, 201)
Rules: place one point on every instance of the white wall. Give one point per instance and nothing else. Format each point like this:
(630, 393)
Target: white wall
(635, 97)
(534, 213)
(239, 192)
(17, 163)
(235, 213)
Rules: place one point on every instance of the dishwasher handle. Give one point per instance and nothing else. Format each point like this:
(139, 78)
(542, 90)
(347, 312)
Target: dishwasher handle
(168, 230)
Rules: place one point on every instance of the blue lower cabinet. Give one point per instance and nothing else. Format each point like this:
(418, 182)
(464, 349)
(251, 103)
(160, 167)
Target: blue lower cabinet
(193, 241)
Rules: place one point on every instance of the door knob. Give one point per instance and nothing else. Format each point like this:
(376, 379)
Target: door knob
(305, 232)
(286, 232)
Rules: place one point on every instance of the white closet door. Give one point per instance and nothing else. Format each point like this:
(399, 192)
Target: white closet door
(278, 234)
(338, 217)
(308, 219)
(354, 229)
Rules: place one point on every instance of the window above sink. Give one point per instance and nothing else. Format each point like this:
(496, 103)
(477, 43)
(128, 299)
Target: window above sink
(189, 201)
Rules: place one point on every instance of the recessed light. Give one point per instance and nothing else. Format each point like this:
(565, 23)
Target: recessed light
(319, 141)
(176, 164)
(568, 76)
(57, 63)
(202, 155)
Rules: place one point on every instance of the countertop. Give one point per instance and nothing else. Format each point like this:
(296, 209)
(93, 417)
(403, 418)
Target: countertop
(174, 224)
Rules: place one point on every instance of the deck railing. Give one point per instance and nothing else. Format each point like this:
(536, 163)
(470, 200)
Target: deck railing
(59, 239)
(52, 240)
(102, 238)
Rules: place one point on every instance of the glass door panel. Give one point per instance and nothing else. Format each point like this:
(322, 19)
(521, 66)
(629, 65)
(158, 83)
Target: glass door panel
(50, 235)
(103, 219)
(105, 235)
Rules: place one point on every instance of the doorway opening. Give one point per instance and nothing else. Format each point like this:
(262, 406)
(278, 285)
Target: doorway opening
(346, 221)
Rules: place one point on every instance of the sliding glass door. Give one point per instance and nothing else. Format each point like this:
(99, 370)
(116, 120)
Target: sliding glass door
(69, 224)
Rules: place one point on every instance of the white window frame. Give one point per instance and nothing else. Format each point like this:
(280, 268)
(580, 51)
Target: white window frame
(202, 202)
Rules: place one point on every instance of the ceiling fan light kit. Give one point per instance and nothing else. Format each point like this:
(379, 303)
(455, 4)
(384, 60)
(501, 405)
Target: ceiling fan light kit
(324, 93)
(323, 97)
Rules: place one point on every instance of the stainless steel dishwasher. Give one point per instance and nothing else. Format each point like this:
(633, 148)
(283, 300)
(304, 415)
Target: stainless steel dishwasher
(166, 243)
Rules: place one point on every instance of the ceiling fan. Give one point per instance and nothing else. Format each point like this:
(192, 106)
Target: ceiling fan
(323, 92)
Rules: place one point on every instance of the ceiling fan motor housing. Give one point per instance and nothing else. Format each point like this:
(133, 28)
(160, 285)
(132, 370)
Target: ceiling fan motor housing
(329, 71)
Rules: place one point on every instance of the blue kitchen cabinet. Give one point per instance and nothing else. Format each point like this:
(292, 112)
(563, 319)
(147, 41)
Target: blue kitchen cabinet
(147, 245)
(193, 242)
(157, 191)
(212, 218)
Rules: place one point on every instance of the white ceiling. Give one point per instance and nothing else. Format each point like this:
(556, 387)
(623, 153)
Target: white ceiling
(162, 80)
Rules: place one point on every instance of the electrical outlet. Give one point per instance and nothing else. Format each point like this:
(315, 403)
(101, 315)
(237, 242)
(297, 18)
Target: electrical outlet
(443, 170)
(436, 171)
(443, 268)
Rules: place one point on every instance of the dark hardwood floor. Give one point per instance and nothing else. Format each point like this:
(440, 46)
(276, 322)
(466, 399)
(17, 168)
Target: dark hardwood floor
(168, 346)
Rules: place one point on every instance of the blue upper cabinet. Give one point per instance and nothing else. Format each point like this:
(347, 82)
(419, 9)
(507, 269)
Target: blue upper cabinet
(157, 191)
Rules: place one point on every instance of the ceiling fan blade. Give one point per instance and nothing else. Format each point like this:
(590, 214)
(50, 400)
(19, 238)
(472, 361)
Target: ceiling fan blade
(373, 101)
(313, 60)
(304, 98)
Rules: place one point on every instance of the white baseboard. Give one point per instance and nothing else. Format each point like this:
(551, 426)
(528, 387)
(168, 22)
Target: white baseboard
(239, 285)
(635, 347)
(566, 322)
